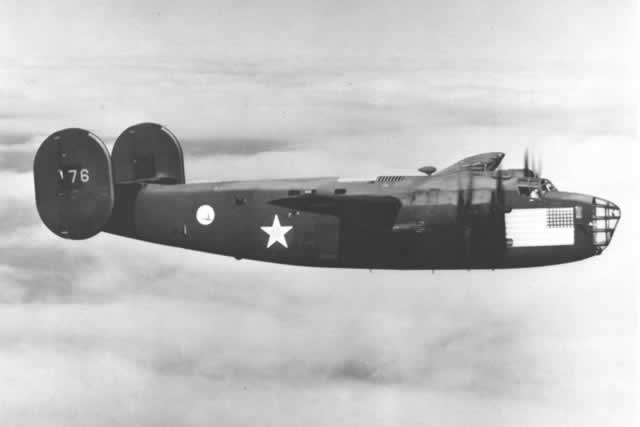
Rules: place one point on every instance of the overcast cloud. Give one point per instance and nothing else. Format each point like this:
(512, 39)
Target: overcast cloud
(112, 331)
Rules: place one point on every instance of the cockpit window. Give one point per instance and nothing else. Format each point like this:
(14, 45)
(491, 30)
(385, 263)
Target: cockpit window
(525, 190)
(546, 185)
(535, 194)
(534, 189)
(529, 191)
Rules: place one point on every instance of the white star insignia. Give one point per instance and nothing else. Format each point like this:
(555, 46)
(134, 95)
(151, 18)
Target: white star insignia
(276, 232)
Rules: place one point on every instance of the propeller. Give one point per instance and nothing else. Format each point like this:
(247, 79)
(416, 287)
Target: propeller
(497, 209)
(499, 192)
(465, 196)
(464, 216)
(535, 170)
(481, 228)
(538, 167)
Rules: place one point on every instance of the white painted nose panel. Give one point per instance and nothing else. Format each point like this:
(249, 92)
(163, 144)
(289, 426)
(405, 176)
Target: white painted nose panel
(540, 227)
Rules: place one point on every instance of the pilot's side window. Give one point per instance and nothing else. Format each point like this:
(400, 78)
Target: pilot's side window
(524, 191)
(530, 192)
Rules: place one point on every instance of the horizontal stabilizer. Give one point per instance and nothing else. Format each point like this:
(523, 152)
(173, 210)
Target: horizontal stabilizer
(363, 211)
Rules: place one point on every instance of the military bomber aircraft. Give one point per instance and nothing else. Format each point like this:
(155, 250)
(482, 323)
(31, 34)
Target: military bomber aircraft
(471, 215)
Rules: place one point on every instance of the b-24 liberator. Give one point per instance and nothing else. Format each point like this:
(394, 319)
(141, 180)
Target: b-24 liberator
(470, 215)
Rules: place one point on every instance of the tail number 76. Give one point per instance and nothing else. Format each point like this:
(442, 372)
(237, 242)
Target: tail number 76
(75, 175)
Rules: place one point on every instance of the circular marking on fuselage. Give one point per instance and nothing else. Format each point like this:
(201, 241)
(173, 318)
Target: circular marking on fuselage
(205, 215)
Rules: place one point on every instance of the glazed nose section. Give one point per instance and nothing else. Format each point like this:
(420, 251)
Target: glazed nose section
(604, 221)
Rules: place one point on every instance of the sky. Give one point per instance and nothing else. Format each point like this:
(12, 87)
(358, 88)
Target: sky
(112, 331)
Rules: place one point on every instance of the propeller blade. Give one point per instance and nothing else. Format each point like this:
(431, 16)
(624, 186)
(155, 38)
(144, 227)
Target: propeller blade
(465, 195)
(533, 165)
(539, 167)
(499, 189)
(459, 201)
(466, 220)
(498, 243)
(469, 192)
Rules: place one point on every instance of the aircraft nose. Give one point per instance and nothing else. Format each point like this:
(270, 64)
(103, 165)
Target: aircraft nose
(604, 221)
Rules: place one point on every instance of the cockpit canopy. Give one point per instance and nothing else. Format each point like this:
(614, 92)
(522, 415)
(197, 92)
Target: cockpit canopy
(534, 188)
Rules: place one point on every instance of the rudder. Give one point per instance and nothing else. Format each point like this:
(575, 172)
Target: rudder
(147, 152)
(73, 183)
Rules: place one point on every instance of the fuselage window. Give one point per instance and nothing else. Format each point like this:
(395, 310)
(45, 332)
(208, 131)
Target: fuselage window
(339, 191)
(524, 191)
(530, 192)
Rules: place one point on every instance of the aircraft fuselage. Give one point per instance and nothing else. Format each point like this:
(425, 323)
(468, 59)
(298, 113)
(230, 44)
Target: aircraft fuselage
(242, 223)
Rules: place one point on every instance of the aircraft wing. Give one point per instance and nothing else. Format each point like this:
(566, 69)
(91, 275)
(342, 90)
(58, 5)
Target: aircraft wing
(478, 163)
(362, 211)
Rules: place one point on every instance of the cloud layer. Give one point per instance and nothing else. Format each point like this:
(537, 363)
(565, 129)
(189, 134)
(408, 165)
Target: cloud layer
(112, 331)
